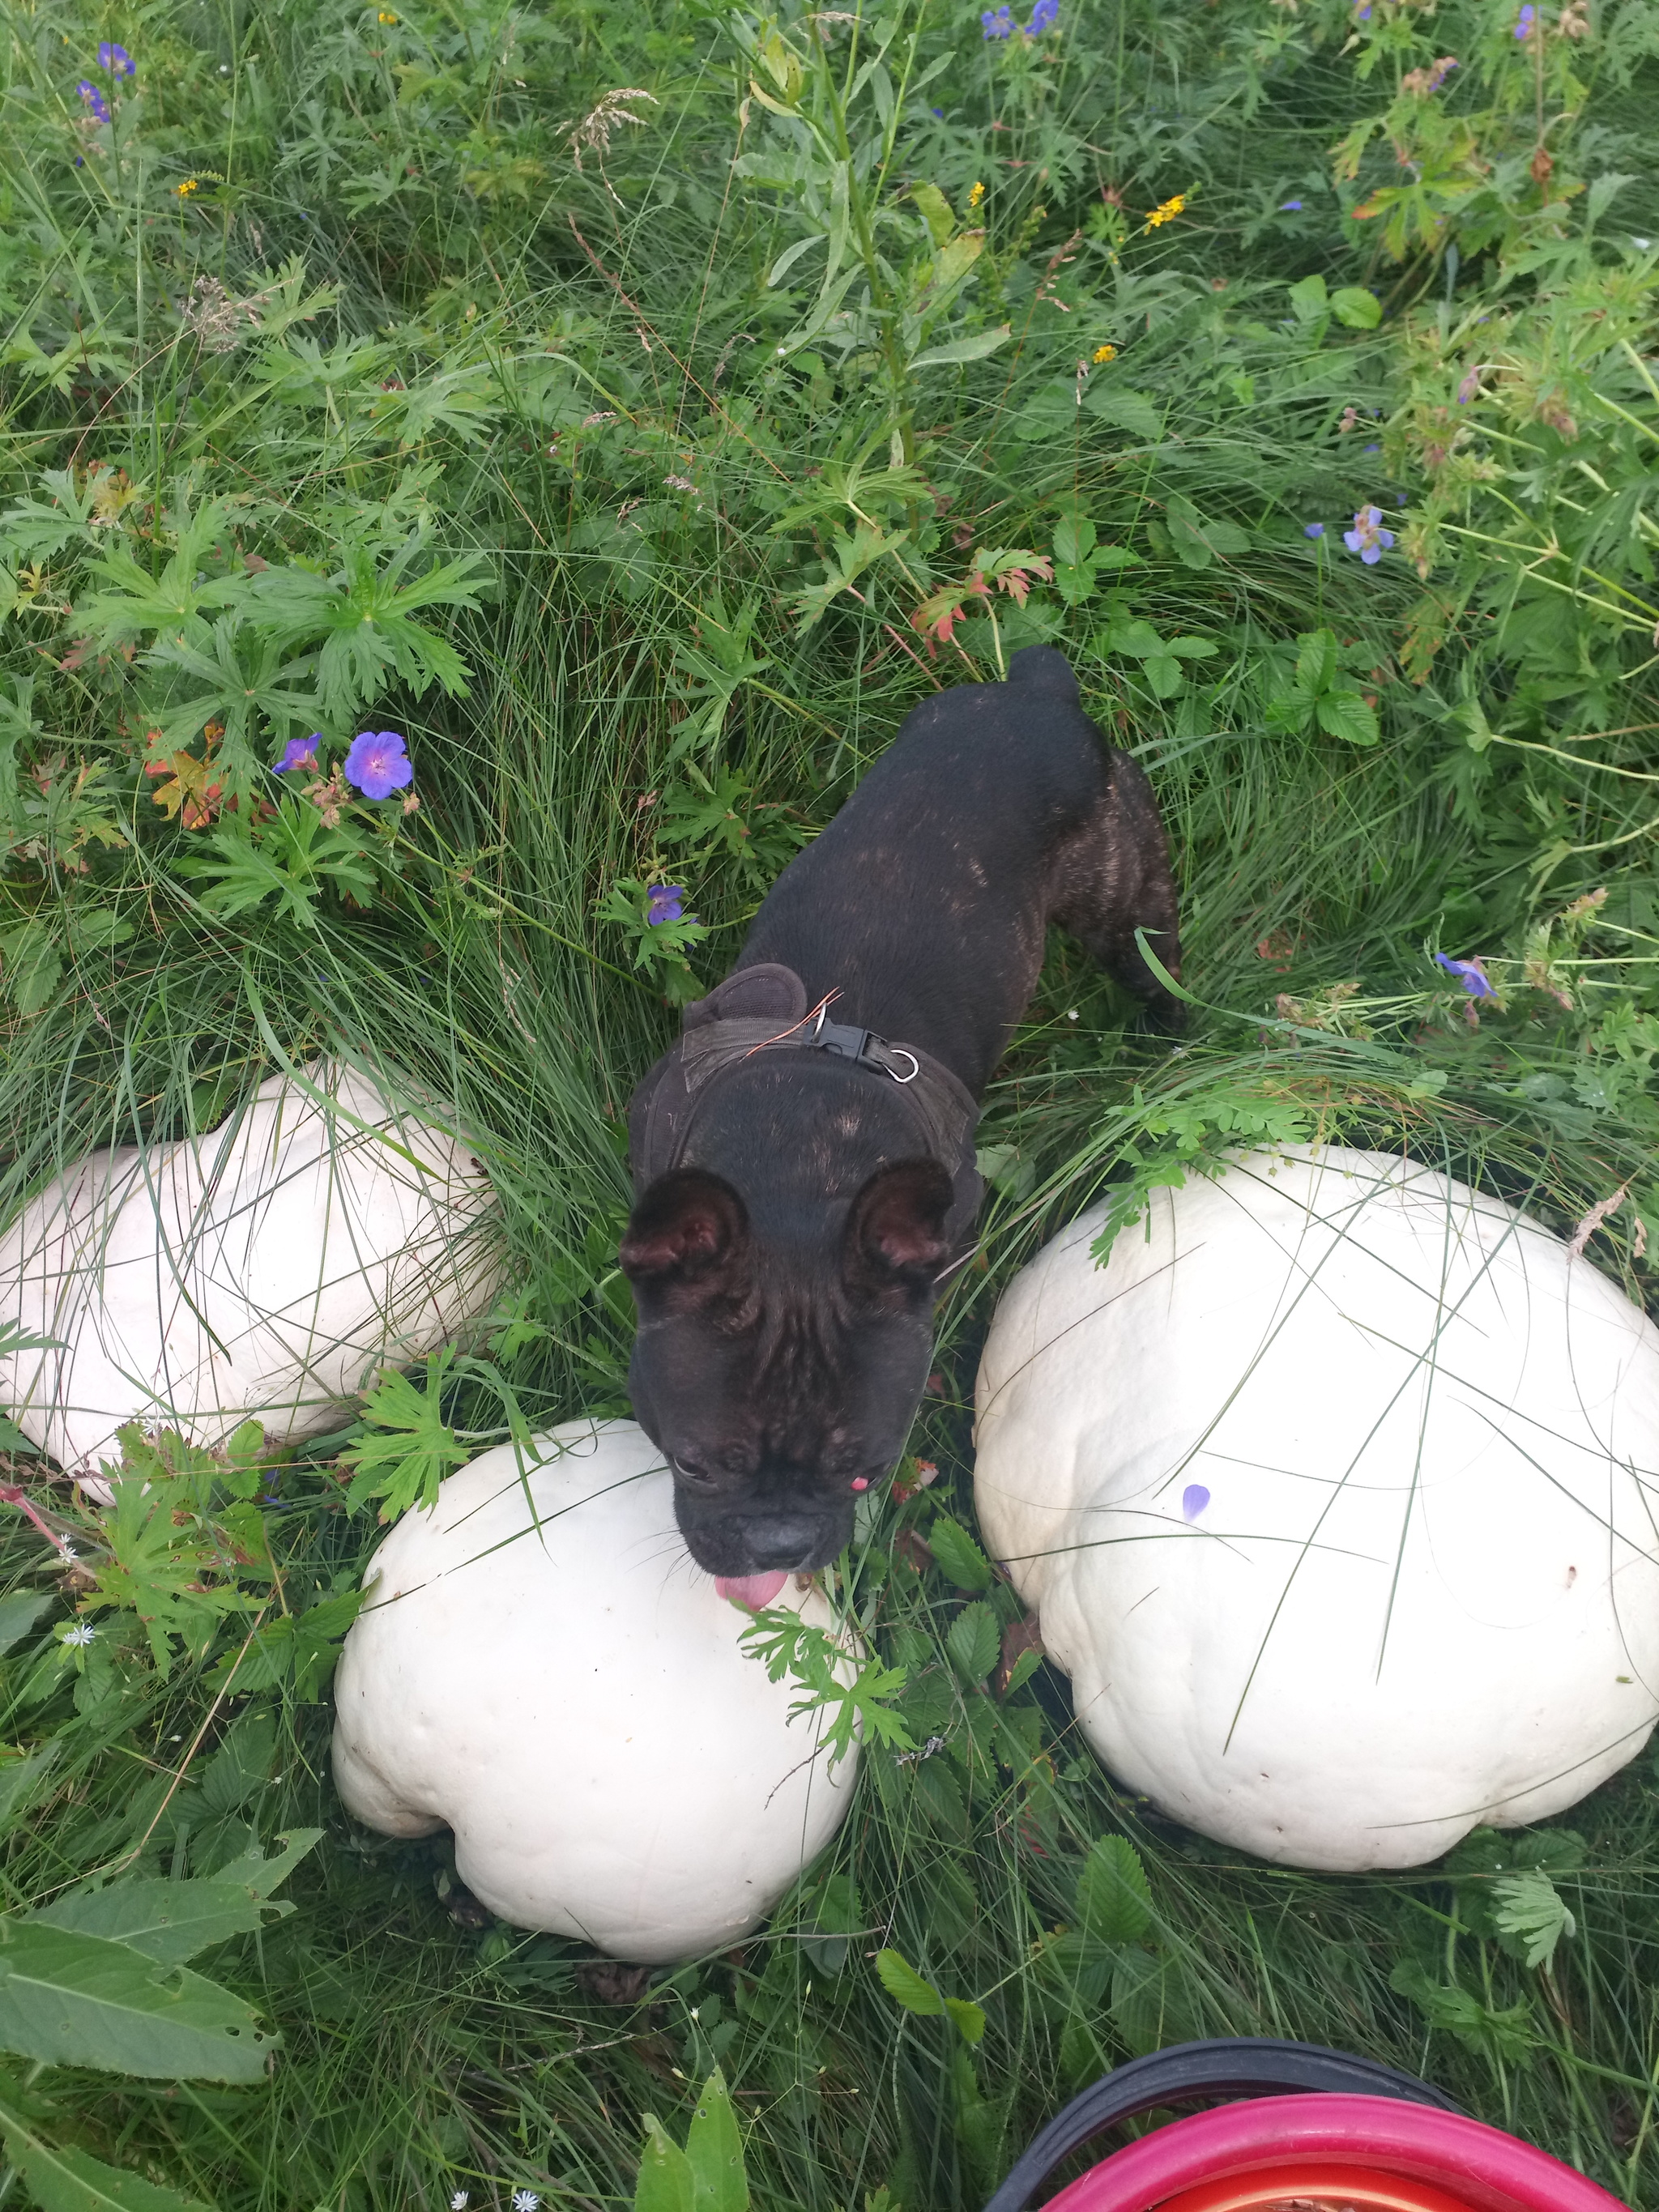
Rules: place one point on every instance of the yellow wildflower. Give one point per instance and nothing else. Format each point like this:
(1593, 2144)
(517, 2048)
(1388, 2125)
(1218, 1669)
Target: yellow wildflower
(385, 16)
(1105, 353)
(189, 185)
(976, 196)
(1167, 212)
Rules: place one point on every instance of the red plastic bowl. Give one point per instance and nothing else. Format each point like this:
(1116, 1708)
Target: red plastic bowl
(1371, 2153)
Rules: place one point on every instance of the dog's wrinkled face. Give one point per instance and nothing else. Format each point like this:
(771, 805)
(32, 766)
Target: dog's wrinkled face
(779, 1375)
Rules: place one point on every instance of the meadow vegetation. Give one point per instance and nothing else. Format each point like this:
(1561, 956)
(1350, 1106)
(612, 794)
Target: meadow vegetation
(635, 410)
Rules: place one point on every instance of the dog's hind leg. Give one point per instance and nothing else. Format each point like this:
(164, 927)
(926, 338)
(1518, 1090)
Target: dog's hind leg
(1111, 878)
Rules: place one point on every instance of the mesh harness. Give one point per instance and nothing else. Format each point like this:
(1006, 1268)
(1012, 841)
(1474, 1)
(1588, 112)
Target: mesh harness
(763, 1010)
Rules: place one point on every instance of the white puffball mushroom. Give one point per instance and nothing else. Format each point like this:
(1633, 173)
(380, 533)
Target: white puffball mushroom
(1336, 1490)
(267, 1269)
(540, 1666)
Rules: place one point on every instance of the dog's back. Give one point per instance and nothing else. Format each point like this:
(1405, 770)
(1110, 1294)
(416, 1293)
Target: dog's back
(998, 809)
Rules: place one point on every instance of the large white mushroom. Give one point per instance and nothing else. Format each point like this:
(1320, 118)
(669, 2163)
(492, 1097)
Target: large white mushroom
(267, 1269)
(1336, 1490)
(540, 1667)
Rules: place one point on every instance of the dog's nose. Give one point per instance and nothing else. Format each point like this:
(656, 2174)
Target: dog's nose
(779, 1540)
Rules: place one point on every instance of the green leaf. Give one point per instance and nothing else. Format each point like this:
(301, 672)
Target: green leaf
(1164, 673)
(258, 1874)
(1529, 1907)
(1355, 308)
(968, 2017)
(68, 1999)
(1506, 2036)
(302, 1648)
(1126, 410)
(664, 2183)
(960, 349)
(1309, 302)
(791, 254)
(168, 1921)
(905, 1985)
(20, 1611)
(415, 1449)
(1114, 1902)
(714, 2149)
(19, 1778)
(935, 211)
(957, 1553)
(1344, 715)
(1074, 540)
(1021, 1671)
(1317, 662)
(974, 1642)
(363, 620)
(63, 2179)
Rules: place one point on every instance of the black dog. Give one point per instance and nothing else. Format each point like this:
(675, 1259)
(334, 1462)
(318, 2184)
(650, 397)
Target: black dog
(802, 1181)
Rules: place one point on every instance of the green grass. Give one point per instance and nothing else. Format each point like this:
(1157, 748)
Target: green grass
(497, 297)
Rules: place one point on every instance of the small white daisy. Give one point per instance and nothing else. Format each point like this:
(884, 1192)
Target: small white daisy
(66, 1551)
(82, 1633)
(524, 2200)
(459, 2201)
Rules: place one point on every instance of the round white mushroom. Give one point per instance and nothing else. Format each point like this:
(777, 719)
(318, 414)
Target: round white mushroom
(540, 1667)
(1337, 1489)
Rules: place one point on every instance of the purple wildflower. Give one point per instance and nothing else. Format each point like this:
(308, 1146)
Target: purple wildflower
(1365, 15)
(298, 752)
(1373, 449)
(665, 902)
(119, 62)
(1368, 538)
(1441, 70)
(999, 23)
(1469, 973)
(1289, 207)
(377, 764)
(1470, 388)
(97, 106)
(1523, 23)
(1045, 14)
(939, 112)
(1194, 1500)
(1313, 530)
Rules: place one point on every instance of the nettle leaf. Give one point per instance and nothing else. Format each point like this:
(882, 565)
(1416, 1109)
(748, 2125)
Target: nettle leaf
(1114, 1900)
(906, 1986)
(1317, 662)
(1355, 308)
(1344, 715)
(69, 1999)
(957, 1553)
(974, 1642)
(1507, 2036)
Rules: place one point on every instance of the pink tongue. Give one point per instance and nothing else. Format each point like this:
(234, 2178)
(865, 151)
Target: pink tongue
(750, 1590)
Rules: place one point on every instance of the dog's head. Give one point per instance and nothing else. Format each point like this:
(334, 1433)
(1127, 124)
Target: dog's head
(779, 1373)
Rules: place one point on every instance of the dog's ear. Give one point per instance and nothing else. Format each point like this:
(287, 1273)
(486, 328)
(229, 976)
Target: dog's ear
(687, 1239)
(896, 1239)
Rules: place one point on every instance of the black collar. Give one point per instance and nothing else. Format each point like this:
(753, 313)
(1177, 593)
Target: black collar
(763, 1009)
